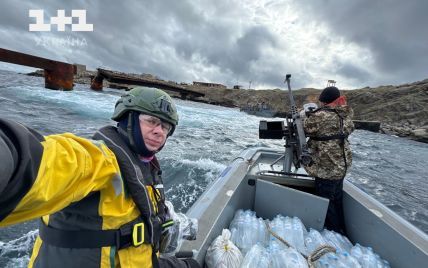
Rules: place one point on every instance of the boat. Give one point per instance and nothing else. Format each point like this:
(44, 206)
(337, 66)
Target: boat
(254, 181)
(261, 110)
(272, 182)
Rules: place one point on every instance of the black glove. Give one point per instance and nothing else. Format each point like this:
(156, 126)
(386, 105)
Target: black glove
(173, 262)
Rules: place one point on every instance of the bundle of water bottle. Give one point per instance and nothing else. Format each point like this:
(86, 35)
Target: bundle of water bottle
(254, 242)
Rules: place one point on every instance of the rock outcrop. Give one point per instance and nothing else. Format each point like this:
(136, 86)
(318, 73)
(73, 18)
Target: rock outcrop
(402, 110)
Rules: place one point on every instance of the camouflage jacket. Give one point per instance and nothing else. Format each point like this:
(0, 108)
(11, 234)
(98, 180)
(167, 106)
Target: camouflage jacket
(328, 155)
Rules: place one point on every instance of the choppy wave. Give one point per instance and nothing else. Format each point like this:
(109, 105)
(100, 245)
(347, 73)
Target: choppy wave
(16, 253)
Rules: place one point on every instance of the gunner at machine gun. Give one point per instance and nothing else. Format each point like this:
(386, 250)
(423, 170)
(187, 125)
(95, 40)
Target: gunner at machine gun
(326, 156)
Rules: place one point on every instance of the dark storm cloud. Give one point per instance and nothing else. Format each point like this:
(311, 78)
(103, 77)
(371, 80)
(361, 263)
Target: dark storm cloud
(395, 31)
(159, 37)
(226, 41)
(244, 51)
(353, 72)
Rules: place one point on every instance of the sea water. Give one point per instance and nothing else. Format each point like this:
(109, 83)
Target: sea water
(392, 170)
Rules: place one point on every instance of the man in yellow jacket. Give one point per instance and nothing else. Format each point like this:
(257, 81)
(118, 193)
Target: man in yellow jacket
(101, 200)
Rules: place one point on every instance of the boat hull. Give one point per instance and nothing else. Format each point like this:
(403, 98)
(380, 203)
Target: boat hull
(245, 185)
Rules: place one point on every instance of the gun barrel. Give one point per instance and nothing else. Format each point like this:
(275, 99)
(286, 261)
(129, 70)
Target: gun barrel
(302, 149)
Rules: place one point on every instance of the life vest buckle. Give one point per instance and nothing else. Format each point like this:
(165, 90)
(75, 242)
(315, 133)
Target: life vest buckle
(138, 234)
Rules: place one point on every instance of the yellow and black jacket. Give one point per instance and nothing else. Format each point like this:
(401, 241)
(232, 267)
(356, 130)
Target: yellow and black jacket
(81, 188)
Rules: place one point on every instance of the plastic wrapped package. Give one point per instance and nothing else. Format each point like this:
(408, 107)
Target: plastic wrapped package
(257, 256)
(336, 240)
(299, 233)
(247, 230)
(367, 258)
(313, 240)
(339, 260)
(184, 228)
(293, 259)
(291, 230)
(222, 253)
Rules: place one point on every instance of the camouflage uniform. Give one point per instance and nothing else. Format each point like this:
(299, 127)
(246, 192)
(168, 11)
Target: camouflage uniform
(328, 158)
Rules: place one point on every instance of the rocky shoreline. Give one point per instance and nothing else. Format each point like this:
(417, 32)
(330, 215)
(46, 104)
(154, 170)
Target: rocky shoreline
(402, 110)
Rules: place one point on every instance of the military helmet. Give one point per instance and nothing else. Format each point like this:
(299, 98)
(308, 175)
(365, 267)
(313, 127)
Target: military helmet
(151, 101)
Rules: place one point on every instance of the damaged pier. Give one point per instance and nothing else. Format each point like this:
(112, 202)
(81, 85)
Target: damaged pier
(58, 75)
(122, 78)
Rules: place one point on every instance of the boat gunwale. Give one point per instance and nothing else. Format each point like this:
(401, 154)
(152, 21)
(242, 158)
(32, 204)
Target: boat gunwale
(249, 157)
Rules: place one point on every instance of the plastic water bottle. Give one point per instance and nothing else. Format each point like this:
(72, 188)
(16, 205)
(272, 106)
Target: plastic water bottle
(257, 256)
(294, 259)
(288, 233)
(367, 258)
(262, 232)
(322, 263)
(332, 240)
(344, 242)
(348, 261)
(236, 228)
(386, 264)
(237, 219)
(277, 254)
(254, 230)
(264, 261)
(233, 235)
(338, 262)
(299, 232)
(357, 252)
(326, 260)
(313, 240)
(276, 244)
(277, 226)
(247, 234)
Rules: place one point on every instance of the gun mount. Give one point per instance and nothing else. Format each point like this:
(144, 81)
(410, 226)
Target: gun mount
(291, 130)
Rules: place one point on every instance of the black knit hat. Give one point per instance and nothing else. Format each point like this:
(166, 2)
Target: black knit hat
(329, 94)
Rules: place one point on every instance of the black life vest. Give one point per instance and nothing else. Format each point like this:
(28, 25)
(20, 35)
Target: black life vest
(136, 176)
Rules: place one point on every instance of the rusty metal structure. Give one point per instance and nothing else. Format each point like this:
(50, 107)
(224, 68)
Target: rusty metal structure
(58, 75)
(122, 78)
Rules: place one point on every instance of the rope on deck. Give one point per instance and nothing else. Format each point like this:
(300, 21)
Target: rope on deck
(311, 258)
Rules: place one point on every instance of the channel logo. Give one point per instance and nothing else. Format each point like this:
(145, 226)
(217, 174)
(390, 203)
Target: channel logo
(60, 20)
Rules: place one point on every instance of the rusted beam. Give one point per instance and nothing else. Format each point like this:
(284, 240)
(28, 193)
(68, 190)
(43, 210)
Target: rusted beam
(97, 82)
(58, 75)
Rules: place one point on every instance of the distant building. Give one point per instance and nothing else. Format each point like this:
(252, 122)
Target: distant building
(149, 76)
(79, 68)
(237, 87)
(331, 83)
(203, 84)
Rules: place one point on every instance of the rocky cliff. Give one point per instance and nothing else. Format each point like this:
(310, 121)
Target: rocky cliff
(402, 110)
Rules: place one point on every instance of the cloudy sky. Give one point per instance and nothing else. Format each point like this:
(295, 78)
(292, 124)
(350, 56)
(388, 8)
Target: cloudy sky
(358, 43)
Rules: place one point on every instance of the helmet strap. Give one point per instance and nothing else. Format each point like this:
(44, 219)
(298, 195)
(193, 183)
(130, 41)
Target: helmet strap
(129, 131)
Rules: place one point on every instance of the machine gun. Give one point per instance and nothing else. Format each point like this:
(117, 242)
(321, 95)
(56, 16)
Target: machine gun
(296, 150)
